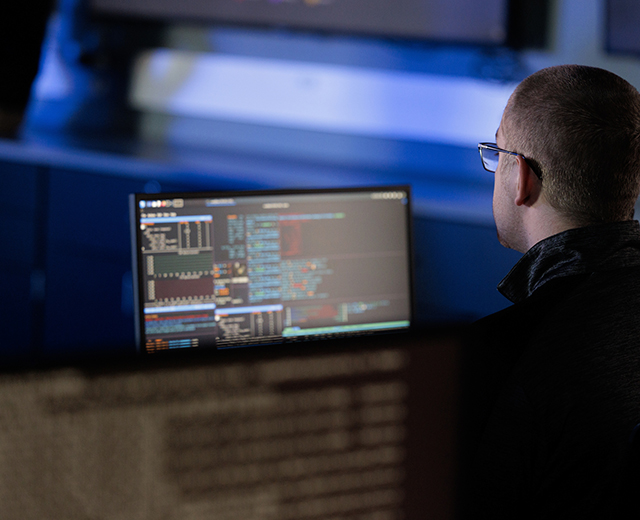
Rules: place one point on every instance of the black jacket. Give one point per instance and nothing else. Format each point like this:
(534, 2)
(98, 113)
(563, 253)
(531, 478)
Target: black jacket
(553, 382)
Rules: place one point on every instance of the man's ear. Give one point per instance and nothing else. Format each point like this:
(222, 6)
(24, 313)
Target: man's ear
(528, 187)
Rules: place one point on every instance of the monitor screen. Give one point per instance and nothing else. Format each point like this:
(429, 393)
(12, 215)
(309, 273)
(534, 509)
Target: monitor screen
(221, 270)
(465, 21)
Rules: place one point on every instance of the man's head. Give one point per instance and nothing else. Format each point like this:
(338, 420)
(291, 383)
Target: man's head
(579, 127)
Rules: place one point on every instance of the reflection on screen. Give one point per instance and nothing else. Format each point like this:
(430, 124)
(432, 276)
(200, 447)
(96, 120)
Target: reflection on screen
(366, 430)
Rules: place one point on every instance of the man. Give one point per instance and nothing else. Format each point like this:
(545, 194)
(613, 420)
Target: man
(556, 376)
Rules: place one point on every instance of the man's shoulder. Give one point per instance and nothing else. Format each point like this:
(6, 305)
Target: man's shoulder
(605, 304)
(599, 318)
(529, 313)
(611, 289)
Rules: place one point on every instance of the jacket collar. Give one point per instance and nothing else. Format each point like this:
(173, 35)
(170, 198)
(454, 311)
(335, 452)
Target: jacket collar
(573, 252)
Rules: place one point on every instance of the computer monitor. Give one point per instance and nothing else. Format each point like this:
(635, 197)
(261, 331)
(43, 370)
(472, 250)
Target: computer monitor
(465, 21)
(221, 270)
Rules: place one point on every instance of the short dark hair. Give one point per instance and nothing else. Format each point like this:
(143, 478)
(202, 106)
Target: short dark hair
(581, 127)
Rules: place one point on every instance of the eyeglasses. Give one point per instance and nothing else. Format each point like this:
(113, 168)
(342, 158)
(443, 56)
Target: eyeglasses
(489, 153)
